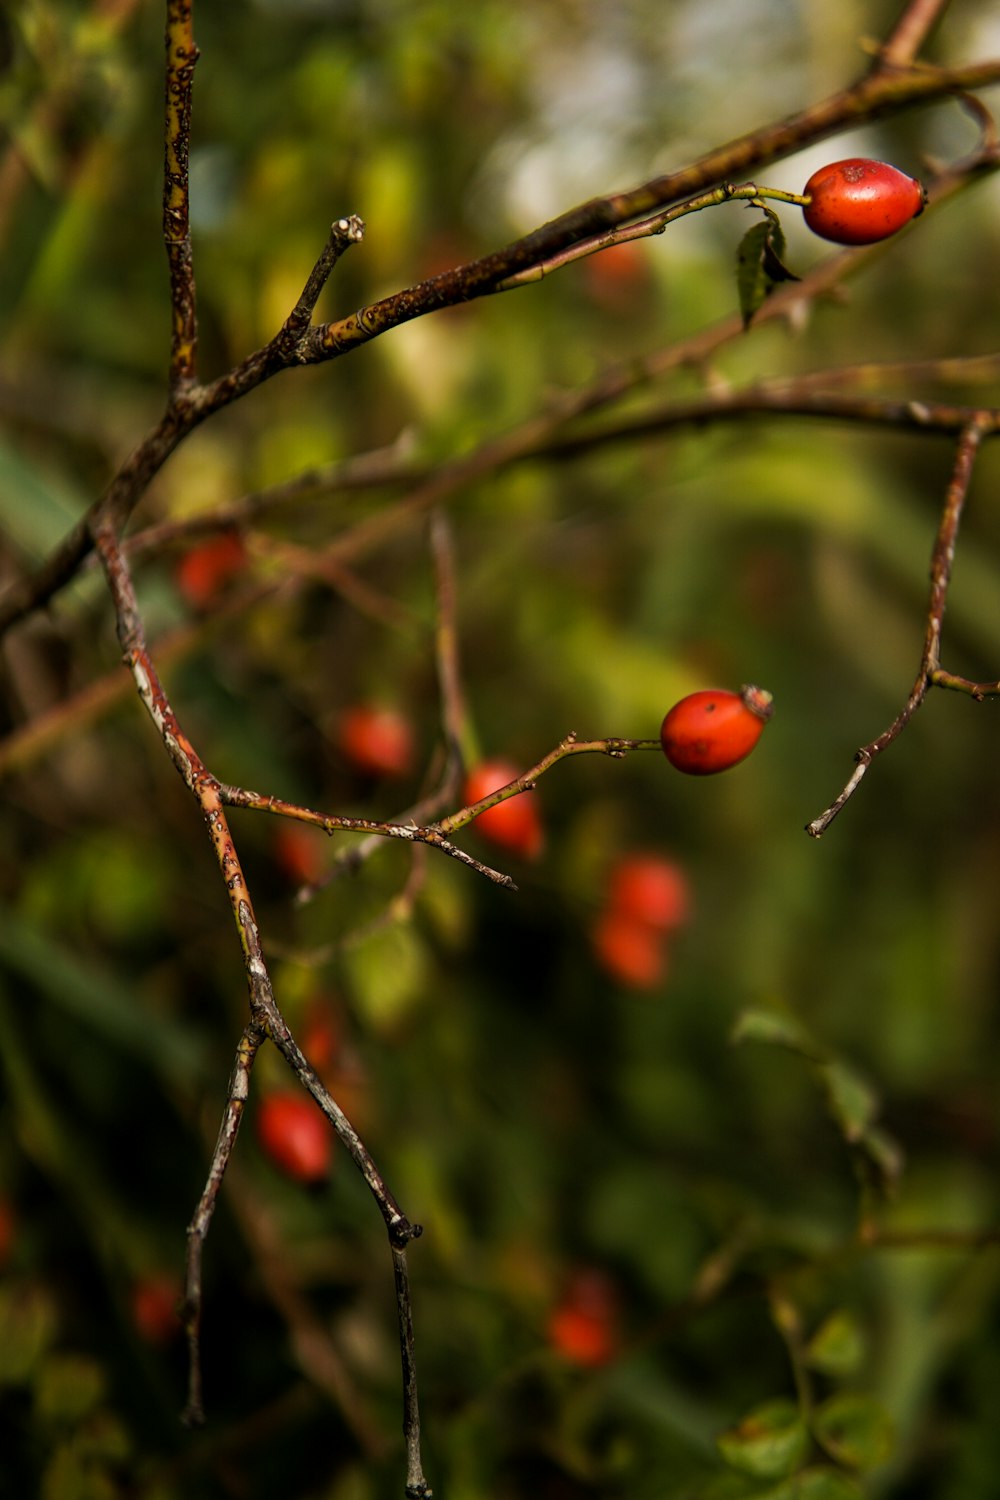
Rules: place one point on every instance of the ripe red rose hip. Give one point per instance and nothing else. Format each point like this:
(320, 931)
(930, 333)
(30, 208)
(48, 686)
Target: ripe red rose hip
(378, 741)
(513, 824)
(295, 1136)
(858, 201)
(712, 730)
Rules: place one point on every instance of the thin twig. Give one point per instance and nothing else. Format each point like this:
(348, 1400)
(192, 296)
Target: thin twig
(239, 1088)
(909, 34)
(928, 674)
(182, 55)
(883, 93)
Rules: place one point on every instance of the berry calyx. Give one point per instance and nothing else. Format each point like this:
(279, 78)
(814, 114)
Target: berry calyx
(296, 1137)
(513, 824)
(713, 730)
(859, 201)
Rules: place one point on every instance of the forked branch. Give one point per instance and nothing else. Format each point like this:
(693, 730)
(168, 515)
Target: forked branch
(929, 673)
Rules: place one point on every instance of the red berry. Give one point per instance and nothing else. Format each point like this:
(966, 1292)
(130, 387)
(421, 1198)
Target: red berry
(153, 1302)
(857, 201)
(650, 889)
(713, 730)
(629, 950)
(296, 1136)
(583, 1326)
(377, 741)
(513, 824)
(320, 1036)
(203, 573)
(8, 1227)
(618, 276)
(298, 853)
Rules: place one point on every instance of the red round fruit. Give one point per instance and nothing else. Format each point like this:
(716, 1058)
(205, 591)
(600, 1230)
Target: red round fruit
(154, 1302)
(629, 950)
(204, 572)
(298, 853)
(858, 201)
(712, 730)
(296, 1136)
(513, 824)
(650, 889)
(377, 741)
(584, 1325)
(8, 1226)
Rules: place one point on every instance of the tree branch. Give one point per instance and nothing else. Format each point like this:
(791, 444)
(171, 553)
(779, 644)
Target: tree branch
(928, 673)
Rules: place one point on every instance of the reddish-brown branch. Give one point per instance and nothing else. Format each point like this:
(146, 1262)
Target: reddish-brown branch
(929, 673)
(182, 55)
(883, 92)
(904, 42)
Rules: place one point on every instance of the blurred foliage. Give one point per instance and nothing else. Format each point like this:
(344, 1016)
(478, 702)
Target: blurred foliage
(828, 1025)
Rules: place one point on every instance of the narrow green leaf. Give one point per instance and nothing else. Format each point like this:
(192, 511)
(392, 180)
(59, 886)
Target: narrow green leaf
(752, 281)
(775, 1028)
(853, 1103)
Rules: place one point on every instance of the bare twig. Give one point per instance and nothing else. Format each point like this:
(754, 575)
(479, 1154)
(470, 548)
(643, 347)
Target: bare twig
(882, 93)
(266, 1019)
(909, 34)
(182, 55)
(929, 672)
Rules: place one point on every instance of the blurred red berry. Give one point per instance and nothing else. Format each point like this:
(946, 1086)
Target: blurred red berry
(619, 277)
(203, 573)
(298, 852)
(377, 741)
(320, 1038)
(629, 950)
(296, 1136)
(8, 1226)
(584, 1325)
(513, 824)
(650, 888)
(153, 1302)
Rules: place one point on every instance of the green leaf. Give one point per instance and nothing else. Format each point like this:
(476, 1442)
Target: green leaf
(388, 976)
(775, 1028)
(769, 1443)
(852, 1102)
(814, 1484)
(854, 1430)
(27, 1328)
(752, 281)
(69, 1386)
(837, 1347)
(886, 1157)
(759, 264)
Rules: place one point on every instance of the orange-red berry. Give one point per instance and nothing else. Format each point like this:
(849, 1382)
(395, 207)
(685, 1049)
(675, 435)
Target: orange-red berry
(649, 889)
(629, 950)
(712, 730)
(584, 1325)
(153, 1302)
(295, 1136)
(859, 201)
(203, 573)
(513, 824)
(377, 741)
